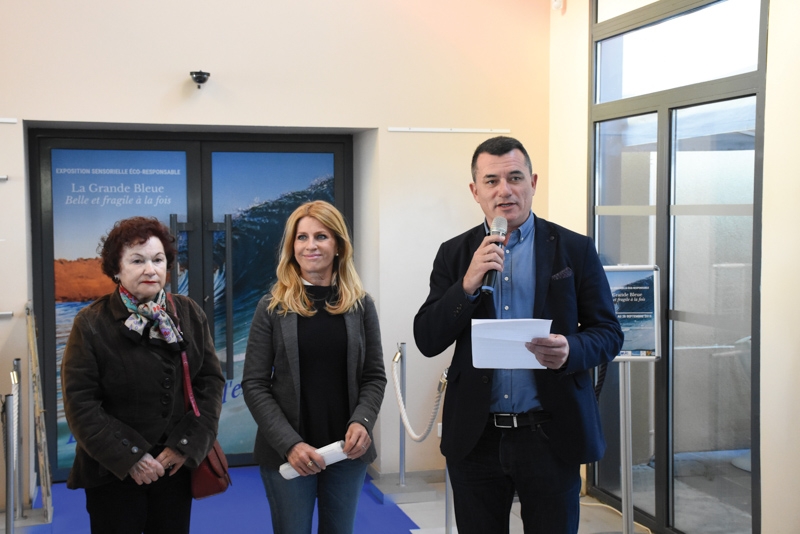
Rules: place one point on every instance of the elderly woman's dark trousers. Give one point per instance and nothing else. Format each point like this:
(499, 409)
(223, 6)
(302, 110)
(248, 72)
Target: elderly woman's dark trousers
(123, 507)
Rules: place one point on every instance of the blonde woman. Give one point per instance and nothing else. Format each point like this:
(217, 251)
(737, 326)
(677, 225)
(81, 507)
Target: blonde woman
(314, 374)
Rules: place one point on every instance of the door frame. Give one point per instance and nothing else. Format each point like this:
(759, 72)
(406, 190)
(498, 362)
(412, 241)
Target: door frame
(41, 137)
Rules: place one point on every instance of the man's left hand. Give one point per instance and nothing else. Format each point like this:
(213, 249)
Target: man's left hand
(552, 352)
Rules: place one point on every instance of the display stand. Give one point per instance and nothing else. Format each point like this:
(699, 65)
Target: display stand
(40, 432)
(635, 290)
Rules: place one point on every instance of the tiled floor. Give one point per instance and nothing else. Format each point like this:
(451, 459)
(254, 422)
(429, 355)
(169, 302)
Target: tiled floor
(596, 518)
(712, 496)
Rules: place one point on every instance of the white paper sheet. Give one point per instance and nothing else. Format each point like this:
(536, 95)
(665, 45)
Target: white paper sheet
(332, 453)
(500, 343)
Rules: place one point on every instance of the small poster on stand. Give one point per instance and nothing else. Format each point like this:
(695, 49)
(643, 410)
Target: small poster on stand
(635, 293)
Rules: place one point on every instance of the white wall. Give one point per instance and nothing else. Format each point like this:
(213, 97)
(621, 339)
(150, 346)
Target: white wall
(569, 114)
(780, 356)
(356, 65)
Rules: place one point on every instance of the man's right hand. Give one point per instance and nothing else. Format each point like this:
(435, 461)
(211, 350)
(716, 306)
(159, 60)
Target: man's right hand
(488, 256)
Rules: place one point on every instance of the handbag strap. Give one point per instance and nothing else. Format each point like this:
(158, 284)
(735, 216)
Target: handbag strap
(188, 391)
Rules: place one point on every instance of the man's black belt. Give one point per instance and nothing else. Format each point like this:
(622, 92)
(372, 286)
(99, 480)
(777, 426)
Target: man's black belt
(516, 420)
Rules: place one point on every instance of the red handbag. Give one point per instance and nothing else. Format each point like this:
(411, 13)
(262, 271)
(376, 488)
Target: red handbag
(211, 475)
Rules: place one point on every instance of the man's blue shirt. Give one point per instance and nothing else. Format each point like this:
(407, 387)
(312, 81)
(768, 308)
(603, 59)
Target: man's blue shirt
(514, 390)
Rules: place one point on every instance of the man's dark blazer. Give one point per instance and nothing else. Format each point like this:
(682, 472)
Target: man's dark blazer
(572, 290)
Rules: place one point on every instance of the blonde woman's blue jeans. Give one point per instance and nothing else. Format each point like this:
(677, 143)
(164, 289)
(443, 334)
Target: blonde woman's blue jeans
(335, 490)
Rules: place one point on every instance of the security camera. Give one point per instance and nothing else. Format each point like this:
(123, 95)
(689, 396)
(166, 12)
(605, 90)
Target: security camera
(199, 77)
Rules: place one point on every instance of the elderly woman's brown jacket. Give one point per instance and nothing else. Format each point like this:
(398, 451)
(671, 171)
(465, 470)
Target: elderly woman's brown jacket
(124, 398)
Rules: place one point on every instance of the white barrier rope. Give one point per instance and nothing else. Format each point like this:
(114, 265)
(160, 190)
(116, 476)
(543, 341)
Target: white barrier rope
(401, 404)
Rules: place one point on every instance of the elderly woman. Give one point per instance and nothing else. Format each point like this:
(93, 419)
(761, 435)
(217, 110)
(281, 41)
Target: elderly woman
(314, 375)
(122, 383)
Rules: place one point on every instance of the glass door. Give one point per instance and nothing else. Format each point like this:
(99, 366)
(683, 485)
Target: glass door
(677, 99)
(225, 201)
(625, 219)
(91, 189)
(252, 193)
(703, 228)
(711, 251)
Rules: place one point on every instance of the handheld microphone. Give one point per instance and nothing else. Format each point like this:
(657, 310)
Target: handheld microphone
(499, 227)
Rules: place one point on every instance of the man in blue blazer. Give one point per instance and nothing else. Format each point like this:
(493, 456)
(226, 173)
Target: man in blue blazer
(520, 431)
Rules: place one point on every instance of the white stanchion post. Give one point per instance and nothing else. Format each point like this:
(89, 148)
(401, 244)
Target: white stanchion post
(626, 446)
(402, 349)
(17, 386)
(10, 440)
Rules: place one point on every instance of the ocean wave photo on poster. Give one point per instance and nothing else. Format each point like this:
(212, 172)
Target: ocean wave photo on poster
(634, 304)
(256, 235)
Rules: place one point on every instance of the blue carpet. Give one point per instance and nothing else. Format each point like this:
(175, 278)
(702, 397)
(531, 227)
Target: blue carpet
(243, 508)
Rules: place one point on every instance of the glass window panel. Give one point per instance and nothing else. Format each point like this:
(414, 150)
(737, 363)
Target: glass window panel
(710, 43)
(716, 153)
(713, 269)
(626, 161)
(712, 431)
(625, 234)
(626, 240)
(642, 435)
(608, 9)
(712, 240)
(626, 187)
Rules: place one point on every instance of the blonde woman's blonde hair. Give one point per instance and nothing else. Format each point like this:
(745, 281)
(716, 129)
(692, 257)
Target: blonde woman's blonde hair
(288, 293)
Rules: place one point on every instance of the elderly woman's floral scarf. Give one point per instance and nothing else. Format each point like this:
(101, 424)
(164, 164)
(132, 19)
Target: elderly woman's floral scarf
(149, 320)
